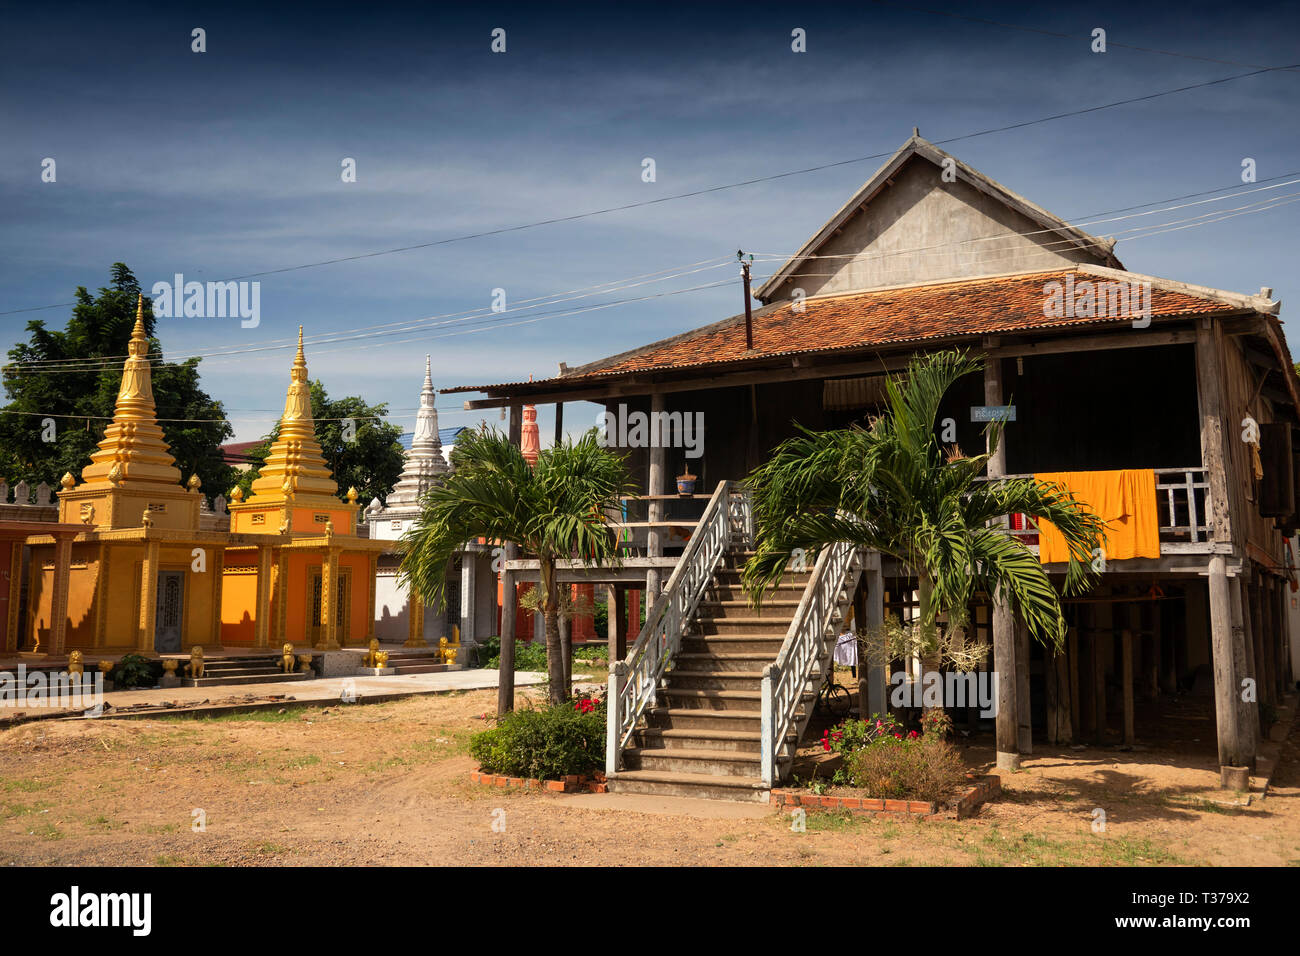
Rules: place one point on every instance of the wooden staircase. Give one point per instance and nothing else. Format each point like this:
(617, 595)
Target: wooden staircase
(702, 738)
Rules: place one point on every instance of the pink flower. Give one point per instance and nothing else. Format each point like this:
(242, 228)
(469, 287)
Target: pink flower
(912, 735)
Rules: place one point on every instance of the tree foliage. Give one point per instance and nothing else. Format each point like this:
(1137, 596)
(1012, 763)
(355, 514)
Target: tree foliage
(553, 510)
(79, 395)
(894, 488)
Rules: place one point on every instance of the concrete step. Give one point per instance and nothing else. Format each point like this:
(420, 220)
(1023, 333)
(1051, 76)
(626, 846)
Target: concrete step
(767, 645)
(731, 741)
(781, 609)
(722, 662)
(687, 698)
(770, 627)
(701, 718)
(404, 668)
(720, 763)
(679, 678)
(707, 786)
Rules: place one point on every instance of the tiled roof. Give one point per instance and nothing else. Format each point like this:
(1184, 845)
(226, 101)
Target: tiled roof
(997, 305)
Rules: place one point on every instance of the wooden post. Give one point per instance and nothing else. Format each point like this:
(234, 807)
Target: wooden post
(1232, 745)
(1126, 666)
(1051, 695)
(876, 671)
(1245, 616)
(509, 596)
(1007, 723)
(655, 488)
(1267, 672)
(1024, 711)
(1103, 643)
(1215, 448)
(1157, 649)
(1072, 653)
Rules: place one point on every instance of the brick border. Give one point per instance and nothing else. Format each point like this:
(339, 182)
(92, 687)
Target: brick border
(573, 783)
(967, 805)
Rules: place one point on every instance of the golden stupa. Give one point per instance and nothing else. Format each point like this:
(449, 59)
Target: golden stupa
(132, 480)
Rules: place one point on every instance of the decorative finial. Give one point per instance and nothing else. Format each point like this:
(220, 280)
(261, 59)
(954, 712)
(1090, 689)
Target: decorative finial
(115, 473)
(287, 487)
(139, 344)
(352, 496)
(67, 481)
(236, 494)
(194, 484)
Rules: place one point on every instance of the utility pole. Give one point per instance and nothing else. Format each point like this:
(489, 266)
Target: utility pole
(749, 311)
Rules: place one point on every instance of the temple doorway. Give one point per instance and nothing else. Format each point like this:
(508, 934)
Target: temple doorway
(170, 612)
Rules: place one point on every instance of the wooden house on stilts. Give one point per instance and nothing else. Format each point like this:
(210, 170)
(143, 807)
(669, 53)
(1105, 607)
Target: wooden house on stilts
(1187, 391)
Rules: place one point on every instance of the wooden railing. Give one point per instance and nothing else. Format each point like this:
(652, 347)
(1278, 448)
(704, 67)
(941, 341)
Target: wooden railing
(805, 654)
(634, 682)
(1183, 504)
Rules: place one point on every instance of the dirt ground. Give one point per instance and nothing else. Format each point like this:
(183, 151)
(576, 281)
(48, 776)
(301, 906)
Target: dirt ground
(388, 784)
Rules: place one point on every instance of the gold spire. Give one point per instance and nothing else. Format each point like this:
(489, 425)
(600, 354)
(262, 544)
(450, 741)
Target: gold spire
(133, 449)
(295, 466)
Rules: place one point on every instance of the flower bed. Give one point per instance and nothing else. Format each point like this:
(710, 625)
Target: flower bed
(966, 803)
(878, 766)
(572, 783)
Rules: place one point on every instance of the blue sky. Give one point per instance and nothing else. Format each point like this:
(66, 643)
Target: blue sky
(227, 162)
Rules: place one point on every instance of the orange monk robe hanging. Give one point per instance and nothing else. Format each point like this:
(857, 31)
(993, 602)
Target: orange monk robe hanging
(1125, 500)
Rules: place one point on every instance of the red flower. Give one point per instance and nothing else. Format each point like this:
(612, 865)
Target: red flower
(912, 735)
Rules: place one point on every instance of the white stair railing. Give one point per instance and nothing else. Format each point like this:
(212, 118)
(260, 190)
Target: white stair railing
(808, 646)
(634, 682)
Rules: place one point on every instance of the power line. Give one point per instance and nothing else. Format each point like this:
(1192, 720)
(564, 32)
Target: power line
(715, 189)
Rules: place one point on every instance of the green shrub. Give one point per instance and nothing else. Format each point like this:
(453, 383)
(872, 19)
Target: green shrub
(597, 654)
(544, 743)
(133, 670)
(529, 655)
(911, 768)
(488, 650)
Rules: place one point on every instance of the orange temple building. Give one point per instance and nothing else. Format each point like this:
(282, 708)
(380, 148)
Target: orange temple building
(308, 579)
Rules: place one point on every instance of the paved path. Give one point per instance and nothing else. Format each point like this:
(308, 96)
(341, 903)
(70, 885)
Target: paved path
(154, 701)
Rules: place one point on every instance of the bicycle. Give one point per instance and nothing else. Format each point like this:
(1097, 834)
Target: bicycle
(833, 698)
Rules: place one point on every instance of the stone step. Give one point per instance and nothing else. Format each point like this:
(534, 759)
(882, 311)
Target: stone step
(273, 677)
(404, 668)
(707, 786)
(719, 763)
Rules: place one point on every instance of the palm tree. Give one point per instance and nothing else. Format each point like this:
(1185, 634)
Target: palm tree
(555, 509)
(892, 487)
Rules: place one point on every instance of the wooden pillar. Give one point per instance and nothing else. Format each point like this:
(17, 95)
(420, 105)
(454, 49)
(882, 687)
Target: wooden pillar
(1024, 711)
(509, 598)
(59, 596)
(1126, 670)
(1284, 664)
(1233, 750)
(876, 672)
(1066, 707)
(1007, 725)
(1216, 448)
(1004, 627)
(262, 609)
(1268, 671)
(1246, 618)
(655, 488)
(1073, 640)
(616, 622)
(148, 598)
(1103, 641)
(1157, 650)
